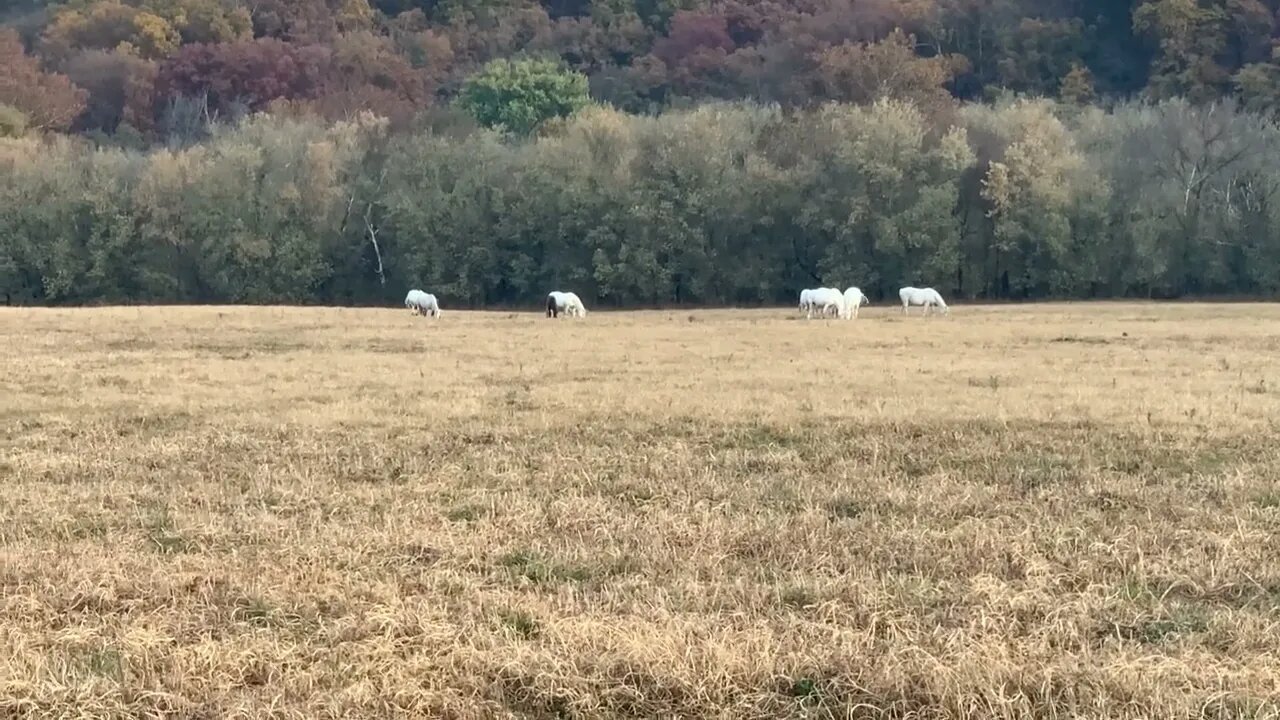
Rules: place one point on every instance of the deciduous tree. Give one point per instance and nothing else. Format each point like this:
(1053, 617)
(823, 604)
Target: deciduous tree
(520, 95)
(48, 101)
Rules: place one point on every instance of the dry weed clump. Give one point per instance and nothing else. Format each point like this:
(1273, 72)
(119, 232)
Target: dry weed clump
(1046, 511)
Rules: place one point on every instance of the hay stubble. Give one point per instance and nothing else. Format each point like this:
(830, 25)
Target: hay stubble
(1040, 511)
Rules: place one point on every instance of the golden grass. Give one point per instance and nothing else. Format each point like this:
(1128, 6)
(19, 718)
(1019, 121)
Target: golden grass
(1044, 511)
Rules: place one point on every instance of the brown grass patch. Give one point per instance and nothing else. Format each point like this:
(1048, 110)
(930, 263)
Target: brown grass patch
(1045, 511)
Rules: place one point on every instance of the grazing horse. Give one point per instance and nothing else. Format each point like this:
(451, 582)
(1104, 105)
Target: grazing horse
(565, 302)
(422, 303)
(853, 299)
(926, 297)
(806, 300)
(825, 301)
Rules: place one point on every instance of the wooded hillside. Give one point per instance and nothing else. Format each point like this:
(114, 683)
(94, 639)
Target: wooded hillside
(646, 151)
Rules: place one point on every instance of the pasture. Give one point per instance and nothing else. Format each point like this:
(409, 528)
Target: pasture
(1024, 511)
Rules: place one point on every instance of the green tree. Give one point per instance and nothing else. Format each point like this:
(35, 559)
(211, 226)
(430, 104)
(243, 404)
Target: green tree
(883, 191)
(12, 122)
(1196, 191)
(1027, 193)
(1259, 84)
(520, 95)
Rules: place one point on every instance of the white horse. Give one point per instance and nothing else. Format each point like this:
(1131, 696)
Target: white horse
(926, 297)
(422, 303)
(853, 299)
(826, 301)
(565, 302)
(806, 300)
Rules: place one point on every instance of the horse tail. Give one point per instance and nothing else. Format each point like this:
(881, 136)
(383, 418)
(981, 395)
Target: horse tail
(551, 306)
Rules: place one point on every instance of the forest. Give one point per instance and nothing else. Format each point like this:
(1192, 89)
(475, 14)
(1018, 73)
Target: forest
(639, 152)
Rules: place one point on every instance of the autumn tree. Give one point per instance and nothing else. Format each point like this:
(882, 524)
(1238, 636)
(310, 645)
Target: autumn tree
(480, 31)
(1190, 36)
(1038, 52)
(886, 69)
(364, 72)
(12, 122)
(694, 52)
(110, 25)
(253, 72)
(47, 101)
(1258, 84)
(120, 90)
(300, 21)
(1076, 87)
(1028, 191)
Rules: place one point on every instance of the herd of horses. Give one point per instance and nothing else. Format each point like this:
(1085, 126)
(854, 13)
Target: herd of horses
(830, 301)
(823, 301)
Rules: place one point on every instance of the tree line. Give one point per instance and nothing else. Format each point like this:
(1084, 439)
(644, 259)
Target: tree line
(134, 72)
(728, 202)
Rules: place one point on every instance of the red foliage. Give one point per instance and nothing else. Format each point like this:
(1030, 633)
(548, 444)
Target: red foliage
(366, 73)
(252, 72)
(49, 100)
(300, 21)
(693, 34)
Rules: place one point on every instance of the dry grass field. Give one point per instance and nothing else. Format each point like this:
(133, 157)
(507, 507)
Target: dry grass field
(1029, 511)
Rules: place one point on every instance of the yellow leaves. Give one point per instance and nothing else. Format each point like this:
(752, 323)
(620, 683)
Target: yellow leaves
(63, 34)
(603, 117)
(20, 153)
(888, 68)
(598, 124)
(207, 20)
(366, 124)
(13, 123)
(955, 151)
(354, 15)
(898, 121)
(605, 133)
(1077, 86)
(320, 174)
(997, 188)
(154, 37)
(108, 25)
(152, 29)
(1041, 162)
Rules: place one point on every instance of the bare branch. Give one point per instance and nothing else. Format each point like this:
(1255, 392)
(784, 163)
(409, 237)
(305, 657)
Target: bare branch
(371, 229)
(373, 240)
